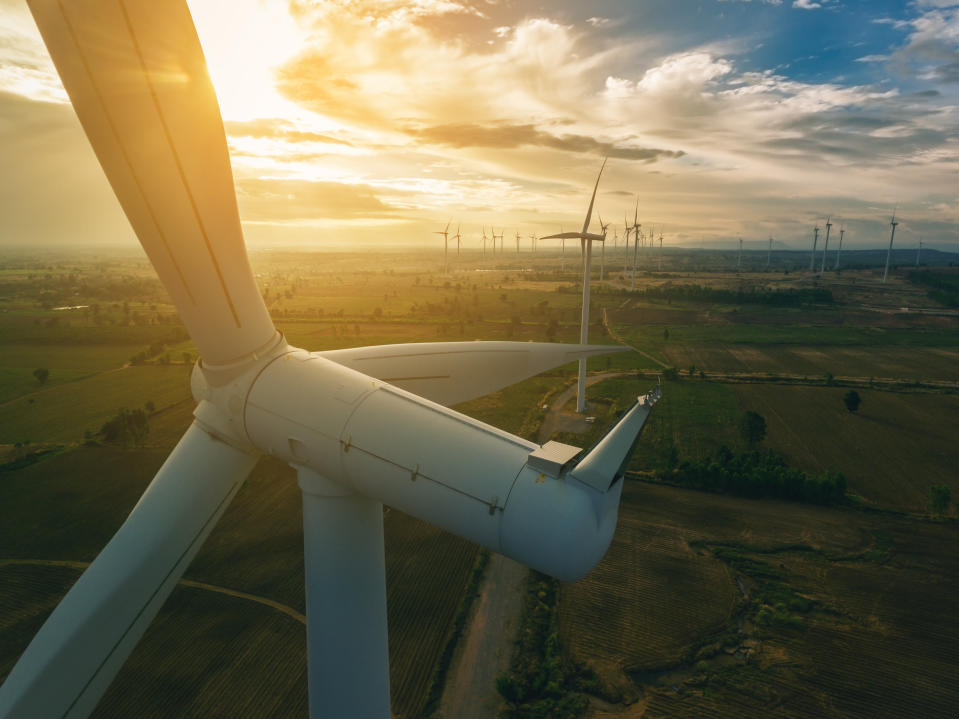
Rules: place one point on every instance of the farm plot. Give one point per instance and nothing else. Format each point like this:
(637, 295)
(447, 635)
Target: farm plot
(861, 644)
(63, 413)
(891, 450)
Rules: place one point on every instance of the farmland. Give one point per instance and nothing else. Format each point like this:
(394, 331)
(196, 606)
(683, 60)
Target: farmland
(681, 619)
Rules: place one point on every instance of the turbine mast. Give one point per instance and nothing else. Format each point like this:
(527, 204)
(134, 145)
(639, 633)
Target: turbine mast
(825, 247)
(769, 253)
(892, 235)
(815, 241)
(842, 231)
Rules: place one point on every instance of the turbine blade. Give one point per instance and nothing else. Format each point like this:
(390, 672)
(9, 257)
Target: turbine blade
(75, 655)
(606, 461)
(589, 212)
(563, 236)
(453, 372)
(138, 81)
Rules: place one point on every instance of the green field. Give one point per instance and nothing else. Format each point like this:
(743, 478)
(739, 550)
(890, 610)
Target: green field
(706, 605)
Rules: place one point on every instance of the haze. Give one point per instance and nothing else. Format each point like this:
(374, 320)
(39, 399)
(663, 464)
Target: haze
(377, 122)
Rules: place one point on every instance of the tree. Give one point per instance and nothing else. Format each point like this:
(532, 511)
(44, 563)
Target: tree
(41, 373)
(940, 497)
(666, 333)
(752, 427)
(852, 400)
(127, 428)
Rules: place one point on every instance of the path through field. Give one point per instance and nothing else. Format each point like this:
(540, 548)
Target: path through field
(486, 648)
(289, 611)
(470, 691)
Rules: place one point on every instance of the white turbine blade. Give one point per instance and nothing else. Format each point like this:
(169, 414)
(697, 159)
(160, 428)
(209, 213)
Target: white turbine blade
(563, 236)
(608, 458)
(452, 372)
(138, 81)
(75, 655)
(589, 212)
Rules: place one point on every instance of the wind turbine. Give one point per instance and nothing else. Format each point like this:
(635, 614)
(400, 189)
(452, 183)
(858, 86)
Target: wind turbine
(825, 247)
(842, 231)
(457, 236)
(892, 235)
(602, 255)
(660, 249)
(769, 253)
(532, 242)
(918, 250)
(138, 81)
(498, 237)
(517, 242)
(586, 239)
(446, 248)
(815, 241)
(626, 246)
(636, 233)
(739, 262)
(484, 240)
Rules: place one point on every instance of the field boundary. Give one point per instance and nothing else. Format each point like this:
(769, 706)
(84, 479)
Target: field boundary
(288, 611)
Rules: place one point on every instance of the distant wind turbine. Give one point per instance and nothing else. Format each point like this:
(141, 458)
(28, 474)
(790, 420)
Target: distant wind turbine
(769, 253)
(457, 236)
(587, 239)
(815, 241)
(739, 262)
(918, 250)
(825, 247)
(660, 249)
(498, 237)
(484, 240)
(517, 241)
(445, 234)
(892, 235)
(842, 231)
(636, 235)
(602, 260)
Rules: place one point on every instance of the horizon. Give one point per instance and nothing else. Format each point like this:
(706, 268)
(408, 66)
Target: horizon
(483, 113)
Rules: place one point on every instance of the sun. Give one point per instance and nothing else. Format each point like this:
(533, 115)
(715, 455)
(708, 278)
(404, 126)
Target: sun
(244, 42)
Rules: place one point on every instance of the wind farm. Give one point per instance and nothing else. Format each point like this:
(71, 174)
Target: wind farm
(363, 475)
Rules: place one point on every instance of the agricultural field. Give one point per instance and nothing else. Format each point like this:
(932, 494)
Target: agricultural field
(683, 590)
(891, 450)
(785, 608)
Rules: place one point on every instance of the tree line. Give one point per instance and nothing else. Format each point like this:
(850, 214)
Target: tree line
(758, 475)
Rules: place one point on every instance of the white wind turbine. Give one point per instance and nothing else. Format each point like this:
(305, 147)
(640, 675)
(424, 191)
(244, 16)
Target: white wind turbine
(825, 247)
(135, 73)
(517, 242)
(815, 241)
(484, 240)
(602, 254)
(586, 241)
(497, 237)
(446, 247)
(842, 231)
(637, 228)
(892, 236)
(457, 237)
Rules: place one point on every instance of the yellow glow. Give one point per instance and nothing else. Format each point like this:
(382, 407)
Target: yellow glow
(244, 41)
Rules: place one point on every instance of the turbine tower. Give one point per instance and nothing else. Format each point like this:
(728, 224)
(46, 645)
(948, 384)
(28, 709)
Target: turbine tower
(769, 253)
(586, 240)
(815, 241)
(446, 247)
(660, 249)
(739, 262)
(497, 237)
(457, 236)
(484, 240)
(637, 227)
(825, 247)
(517, 242)
(602, 255)
(918, 250)
(842, 231)
(137, 79)
(892, 235)
(626, 246)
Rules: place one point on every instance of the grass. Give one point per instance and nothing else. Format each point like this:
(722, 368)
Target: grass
(890, 451)
(62, 413)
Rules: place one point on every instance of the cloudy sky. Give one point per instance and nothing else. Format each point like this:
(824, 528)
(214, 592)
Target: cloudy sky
(380, 120)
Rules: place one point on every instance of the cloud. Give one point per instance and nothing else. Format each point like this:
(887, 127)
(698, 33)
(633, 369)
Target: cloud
(265, 200)
(508, 136)
(931, 50)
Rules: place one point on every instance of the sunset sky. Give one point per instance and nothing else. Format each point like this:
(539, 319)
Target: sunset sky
(377, 121)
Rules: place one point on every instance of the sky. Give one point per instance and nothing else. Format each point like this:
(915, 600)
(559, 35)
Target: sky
(378, 121)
